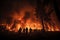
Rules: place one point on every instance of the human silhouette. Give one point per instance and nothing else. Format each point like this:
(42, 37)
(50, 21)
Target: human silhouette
(30, 30)
(20, 30)
(26, 30)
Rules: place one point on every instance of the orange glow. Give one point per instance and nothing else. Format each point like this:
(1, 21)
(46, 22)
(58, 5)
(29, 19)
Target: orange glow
(22, 20)
(30, 22)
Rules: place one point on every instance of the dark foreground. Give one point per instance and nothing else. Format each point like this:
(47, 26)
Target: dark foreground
(37, 35)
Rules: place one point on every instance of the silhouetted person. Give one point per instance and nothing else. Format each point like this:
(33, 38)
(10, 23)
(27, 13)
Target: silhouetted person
(30, 30)
(26, 30)
(20, 30)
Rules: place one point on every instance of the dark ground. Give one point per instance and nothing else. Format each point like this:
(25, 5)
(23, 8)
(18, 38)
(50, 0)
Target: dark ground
(36, 35)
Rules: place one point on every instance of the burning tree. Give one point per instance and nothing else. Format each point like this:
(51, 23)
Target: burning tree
(45, 17)
(39, 16)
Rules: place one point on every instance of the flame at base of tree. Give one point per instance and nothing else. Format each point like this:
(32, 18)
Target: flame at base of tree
(32, 26)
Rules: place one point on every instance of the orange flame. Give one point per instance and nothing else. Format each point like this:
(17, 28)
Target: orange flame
(21, 21)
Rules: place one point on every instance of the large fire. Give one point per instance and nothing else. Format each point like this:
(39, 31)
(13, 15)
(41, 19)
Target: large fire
(26, 18)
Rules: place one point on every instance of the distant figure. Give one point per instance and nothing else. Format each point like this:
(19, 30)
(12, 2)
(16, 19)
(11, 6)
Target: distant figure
(30, 30)
(26, 30)
(20, 30)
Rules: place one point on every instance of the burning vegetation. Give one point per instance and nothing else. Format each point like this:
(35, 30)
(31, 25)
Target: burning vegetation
(27, 17)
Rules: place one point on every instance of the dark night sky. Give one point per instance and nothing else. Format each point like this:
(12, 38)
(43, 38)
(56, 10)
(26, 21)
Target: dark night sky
(58, 11)
(8, 5)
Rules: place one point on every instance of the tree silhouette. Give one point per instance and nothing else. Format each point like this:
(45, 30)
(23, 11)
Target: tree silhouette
(39, 12)
(47, 17)
(56, 8)
(43, 16)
